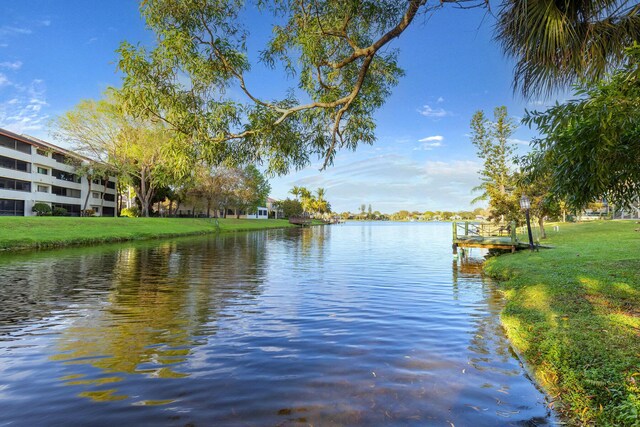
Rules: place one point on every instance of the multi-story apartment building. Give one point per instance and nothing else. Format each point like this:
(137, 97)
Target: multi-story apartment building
(33, 171)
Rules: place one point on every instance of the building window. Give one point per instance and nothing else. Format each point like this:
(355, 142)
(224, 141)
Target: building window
(43, 189)
(7, 142)
(95, 195)
(65, 192)
(14, 184)
(60, 158)
(42, 152)
(43, 171)
(11, 143)
(21, 146)
(10, 207)
(111, 185)
(108, 211)
(109, 197)
(65, 176)
(97, 182)
(19, 165)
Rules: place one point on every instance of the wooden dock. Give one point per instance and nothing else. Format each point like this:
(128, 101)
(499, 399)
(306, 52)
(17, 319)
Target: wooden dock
(489, 236)
(300, 220)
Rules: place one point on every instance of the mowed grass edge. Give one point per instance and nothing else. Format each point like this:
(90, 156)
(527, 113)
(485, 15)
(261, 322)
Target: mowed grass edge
(573, 313)
(20, 233)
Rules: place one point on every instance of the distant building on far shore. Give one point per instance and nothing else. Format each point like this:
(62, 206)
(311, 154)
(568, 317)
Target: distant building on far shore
(273, 210)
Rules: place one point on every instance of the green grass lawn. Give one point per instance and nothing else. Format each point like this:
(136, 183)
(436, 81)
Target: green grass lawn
(45, 232)
(573, 313)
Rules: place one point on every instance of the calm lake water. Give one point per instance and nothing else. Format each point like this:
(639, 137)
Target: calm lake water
(356, 324)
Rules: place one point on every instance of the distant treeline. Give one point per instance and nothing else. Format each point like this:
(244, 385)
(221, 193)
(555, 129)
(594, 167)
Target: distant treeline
(405, 215)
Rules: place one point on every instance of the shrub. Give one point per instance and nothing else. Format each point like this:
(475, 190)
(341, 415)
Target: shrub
(88, 212)
(59, 211)
(132, 212)
(41, 209)
(290, 208)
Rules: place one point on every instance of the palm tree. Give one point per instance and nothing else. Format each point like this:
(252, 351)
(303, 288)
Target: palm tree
(296, 191)
(559, 42)
(321, 206)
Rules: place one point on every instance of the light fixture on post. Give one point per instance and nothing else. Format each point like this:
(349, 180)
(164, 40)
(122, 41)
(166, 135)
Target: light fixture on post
(525, 204)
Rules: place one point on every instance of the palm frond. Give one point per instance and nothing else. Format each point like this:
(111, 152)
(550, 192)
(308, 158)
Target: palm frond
(557, 43)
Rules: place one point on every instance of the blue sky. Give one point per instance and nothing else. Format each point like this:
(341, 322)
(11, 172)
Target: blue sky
(55, 53)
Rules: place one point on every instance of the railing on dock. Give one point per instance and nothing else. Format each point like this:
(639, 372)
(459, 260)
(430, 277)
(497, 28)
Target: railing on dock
(475, 229)
(485, 235)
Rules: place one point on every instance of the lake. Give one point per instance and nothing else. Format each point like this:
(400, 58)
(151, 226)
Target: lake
(355, 324)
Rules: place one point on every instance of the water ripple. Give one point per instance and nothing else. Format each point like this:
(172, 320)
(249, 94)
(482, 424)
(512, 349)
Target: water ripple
(357, 324)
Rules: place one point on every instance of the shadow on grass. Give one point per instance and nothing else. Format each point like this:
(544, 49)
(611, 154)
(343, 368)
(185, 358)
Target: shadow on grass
(581, 337)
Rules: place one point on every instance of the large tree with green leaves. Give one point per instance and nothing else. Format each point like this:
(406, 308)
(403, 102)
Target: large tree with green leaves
(141, 151)
(250, 189)
(498, 184)
(213, 187)
(345, 68)
(590, 146)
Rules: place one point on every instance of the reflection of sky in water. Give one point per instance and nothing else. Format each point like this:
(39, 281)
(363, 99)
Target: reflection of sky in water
(352, 324)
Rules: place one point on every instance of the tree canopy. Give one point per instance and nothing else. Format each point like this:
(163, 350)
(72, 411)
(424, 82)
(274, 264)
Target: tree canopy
(140, 151)
(557, 43)
(590, 146)
(498, 183)
(339, 51)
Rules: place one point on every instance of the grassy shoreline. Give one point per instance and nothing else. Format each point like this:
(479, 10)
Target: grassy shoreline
(23, 233)
(573, 313)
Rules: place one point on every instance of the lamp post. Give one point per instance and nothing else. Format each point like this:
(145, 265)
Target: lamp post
(525, 204)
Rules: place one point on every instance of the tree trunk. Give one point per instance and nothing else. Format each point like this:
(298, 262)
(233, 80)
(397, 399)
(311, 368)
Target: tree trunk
(86, 199)
(543, 233)
(208, 208)
(145, 194)
(104, 181)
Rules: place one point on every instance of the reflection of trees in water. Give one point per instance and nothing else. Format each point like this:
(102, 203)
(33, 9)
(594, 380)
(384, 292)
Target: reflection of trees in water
(163, 300)
(489, 344)
(308, 243)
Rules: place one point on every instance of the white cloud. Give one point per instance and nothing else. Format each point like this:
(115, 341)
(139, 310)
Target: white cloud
(392, 182)
(91, 40)
(432, 138)
(4, 81)
(440, 100)
(427, 111)
(11, 65)
(9, 30)
(430, 142)
(23, 110)
(45, 22)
